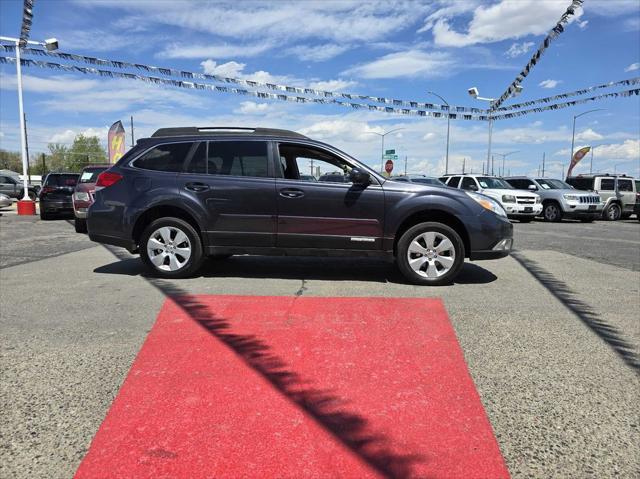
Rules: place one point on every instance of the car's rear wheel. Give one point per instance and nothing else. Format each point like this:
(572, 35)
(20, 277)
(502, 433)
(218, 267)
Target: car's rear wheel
(612, 212)
(80, 225)
(430, 254)
(552, 212)
(171, 248)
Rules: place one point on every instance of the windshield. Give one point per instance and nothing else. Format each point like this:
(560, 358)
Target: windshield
(493, 183)
(428, 181)
(90, 175)
(553, 184)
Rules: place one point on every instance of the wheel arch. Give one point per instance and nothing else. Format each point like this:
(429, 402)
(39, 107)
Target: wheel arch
(163, 211)
(438, 216)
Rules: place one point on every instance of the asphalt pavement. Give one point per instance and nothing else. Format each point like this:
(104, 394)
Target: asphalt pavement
(550, 336)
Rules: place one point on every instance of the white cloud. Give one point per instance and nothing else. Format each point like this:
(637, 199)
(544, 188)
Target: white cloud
(583, 24)
(219, 51)
(318, 53)
(68, 136)
(332, 85)
(589, 135)
(252, 108)
(500, 21)
(627, 150)
(549, 83)
(410, 63)
(633, 67)
(517, 49)
(229, 69)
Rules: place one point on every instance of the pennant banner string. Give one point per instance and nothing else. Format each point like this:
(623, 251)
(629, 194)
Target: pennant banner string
(241, 91)
(517, 106)
(27, 20)
(244, 82)
(559, 106)
(553, 34)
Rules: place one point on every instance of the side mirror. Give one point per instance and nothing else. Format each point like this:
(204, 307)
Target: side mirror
(359, 177)
(532, 188)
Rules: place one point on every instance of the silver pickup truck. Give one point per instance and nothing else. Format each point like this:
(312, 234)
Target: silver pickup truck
(561, 200)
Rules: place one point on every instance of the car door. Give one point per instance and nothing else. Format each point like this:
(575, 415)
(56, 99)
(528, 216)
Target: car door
(234, 181)
(328, 214)
(624, 189)
(7, 186)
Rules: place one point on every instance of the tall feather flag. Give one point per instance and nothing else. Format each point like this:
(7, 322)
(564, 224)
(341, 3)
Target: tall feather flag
(577, 156)
(116, 141)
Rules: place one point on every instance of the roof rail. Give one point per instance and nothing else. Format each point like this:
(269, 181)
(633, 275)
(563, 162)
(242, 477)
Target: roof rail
(224, 130)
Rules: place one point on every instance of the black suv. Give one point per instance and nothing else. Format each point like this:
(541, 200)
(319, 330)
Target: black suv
(56, 193)
(186, 193)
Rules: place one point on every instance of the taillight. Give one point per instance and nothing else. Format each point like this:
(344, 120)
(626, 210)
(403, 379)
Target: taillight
(47, 189)
(107, 178)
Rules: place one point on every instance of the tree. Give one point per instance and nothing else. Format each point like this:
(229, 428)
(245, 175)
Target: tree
(85, 150)
(10, 160)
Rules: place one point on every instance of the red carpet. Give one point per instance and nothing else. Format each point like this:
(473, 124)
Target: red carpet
(283, 387)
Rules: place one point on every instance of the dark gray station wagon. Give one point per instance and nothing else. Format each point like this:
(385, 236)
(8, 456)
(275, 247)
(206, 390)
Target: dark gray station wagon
(187, 193)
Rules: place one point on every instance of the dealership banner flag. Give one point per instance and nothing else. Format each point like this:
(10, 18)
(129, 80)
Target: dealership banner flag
(578, 155)
(116, 142)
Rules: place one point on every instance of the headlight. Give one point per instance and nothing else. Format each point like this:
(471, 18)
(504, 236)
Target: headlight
(488, 203)
(538, 200)
(508, 199)
(571, 197)
(81, 196)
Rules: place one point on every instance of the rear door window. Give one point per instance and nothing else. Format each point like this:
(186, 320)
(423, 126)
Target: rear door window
(238, 158)
(454, 181)
(625, 185)
(585, 184)
(607, 184)
(169, 157)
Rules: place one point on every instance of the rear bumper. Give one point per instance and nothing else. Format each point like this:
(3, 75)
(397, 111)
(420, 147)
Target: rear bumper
(52, 206)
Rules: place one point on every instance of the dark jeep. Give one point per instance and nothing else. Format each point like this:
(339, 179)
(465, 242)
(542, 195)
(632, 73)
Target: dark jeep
(186, 193)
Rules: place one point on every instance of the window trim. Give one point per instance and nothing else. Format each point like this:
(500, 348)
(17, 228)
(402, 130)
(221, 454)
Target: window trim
(156, 145)
(375, 181)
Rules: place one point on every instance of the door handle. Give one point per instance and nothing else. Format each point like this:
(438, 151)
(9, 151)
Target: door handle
(196, 186)
(291, 193)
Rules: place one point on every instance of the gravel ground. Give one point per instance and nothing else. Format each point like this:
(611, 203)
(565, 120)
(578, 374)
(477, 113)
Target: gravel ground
(550, 338)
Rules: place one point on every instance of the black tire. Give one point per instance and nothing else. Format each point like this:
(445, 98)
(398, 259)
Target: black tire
(80, 225)
(192, 264)
(402, 256)
(45, 216)
(552, 212)
(612, 212)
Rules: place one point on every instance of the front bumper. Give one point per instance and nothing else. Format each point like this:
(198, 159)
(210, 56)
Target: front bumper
(515, 209)
(581, 210)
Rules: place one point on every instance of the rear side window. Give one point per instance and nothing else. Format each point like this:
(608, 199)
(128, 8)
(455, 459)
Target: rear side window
(169, 157)
(625, 185)
(520, 184)
(61, 180)
(454, 181)
(607, 184)
(468, 183)
(585, 184)
(237, 158)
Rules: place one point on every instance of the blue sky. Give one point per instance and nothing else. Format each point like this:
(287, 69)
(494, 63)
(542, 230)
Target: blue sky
(392, 49)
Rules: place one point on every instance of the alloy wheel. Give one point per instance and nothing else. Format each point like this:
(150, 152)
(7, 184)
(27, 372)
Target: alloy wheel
(431, 254)
(551, 212)
(169, 248)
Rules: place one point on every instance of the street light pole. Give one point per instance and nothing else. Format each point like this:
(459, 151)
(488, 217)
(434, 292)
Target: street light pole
(382, 135)
(446, 160)
(25, 206)
(573, 134)
(504, 155)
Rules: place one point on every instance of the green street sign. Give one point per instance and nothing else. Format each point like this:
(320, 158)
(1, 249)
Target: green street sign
(390, 157)
(389, 152)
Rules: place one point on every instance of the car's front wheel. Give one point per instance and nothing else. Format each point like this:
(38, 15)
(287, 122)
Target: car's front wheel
(171, 248)
(430, 254)
(552, 212)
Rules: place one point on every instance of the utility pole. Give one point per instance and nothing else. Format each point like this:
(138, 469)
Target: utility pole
(311, 166)
(538, 170)
(491, 165)
(463, 161)
(543, 157)
(26, 146)
(133, 138)
(405, 165)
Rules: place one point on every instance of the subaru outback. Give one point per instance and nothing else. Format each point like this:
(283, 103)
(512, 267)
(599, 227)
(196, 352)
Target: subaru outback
(187, 193)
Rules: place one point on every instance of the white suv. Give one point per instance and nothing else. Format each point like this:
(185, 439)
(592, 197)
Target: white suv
(519, 204)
